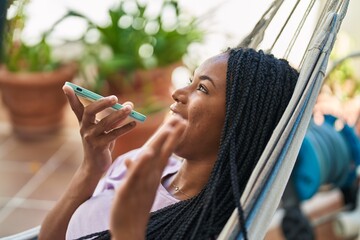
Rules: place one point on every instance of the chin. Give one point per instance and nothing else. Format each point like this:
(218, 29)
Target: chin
(181, 150)
(182, 145)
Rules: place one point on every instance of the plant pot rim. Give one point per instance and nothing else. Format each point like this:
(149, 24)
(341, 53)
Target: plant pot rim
(37, 78)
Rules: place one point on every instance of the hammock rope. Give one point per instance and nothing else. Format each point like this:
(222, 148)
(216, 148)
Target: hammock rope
(257, 35)
(299, 28)
(283, 27)
(263, 192)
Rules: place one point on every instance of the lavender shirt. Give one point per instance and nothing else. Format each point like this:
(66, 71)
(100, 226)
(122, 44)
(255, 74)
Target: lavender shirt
(93, 215)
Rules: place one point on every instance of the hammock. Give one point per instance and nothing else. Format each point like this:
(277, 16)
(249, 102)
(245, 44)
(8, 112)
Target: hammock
(266, 185)
(269, 178)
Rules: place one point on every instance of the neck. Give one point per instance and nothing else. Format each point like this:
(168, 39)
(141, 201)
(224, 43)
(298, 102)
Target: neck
(191, 178)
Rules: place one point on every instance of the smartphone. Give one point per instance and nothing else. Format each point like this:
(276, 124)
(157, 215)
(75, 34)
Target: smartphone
(89, 95)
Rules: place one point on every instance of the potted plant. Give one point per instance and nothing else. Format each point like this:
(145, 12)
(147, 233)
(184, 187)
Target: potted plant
(31, 80)
(135, 54)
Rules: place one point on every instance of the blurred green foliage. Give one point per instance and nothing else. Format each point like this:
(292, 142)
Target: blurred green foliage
(343, 80)
(136, 39)
(19, 55)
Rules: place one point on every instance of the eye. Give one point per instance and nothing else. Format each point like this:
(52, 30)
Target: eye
(190, 81)
(203, 89)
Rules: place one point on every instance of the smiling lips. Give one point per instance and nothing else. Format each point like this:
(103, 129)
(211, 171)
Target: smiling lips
(174, 111)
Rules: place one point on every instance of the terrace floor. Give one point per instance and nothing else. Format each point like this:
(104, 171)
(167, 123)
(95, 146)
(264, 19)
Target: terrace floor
(33, 174)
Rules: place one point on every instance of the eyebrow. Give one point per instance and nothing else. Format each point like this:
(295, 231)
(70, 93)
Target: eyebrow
(205, 77)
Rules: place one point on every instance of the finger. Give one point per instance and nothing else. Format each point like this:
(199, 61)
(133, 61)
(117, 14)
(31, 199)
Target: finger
(111, 146)
(161, 137)
(128, 163)
(92, 109)
(75, 104)
(128, 103)
(113, 120)
(166, 121)
(144, 165)
(172, 139)
(114, 134)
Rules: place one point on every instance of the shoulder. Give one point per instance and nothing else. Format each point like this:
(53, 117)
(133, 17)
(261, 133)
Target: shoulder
(132, 155)
(120, 159)
(116, 173)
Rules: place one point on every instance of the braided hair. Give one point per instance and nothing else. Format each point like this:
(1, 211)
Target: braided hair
(258, 89)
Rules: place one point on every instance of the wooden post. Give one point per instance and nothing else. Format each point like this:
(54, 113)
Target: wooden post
(3, 12)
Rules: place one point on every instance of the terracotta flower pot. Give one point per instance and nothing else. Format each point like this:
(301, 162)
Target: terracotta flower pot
(154, 84)
(151, 90)
(35, 101)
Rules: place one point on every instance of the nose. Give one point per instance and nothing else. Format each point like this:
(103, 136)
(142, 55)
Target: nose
(180, 95)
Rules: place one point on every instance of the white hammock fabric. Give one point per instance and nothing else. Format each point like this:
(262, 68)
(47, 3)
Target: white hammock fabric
(264, 190)
(30, 234)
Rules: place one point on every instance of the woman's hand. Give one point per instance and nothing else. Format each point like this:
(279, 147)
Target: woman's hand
(99, 137)
(133, 201)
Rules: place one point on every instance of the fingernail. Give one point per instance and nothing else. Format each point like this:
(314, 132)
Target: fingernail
(127, 108)
(113, 98)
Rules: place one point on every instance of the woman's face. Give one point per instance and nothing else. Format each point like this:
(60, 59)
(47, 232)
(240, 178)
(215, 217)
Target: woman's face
(202, 104)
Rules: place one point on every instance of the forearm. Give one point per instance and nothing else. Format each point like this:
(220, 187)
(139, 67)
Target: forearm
(133, 201)
(79, 190)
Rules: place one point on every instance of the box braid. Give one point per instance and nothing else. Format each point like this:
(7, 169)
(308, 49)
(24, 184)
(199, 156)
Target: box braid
(258, 89)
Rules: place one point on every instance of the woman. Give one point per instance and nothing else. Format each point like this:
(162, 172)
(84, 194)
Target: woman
(221, 123)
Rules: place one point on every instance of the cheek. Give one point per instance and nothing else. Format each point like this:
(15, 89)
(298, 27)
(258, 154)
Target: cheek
(198, 118)
(207, 121)
(204, 126)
